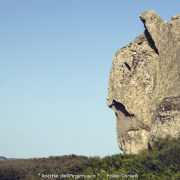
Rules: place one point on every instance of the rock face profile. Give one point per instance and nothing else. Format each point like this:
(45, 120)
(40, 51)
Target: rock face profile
(144, 85)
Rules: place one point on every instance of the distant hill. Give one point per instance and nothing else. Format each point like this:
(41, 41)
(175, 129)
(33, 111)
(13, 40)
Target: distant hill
(2, 158)
(160, 162)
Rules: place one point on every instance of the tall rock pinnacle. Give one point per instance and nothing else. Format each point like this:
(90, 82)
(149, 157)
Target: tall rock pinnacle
(144, 85)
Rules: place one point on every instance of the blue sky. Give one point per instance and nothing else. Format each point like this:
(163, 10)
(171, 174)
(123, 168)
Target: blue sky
(55, 60)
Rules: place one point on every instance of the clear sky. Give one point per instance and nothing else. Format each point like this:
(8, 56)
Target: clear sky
(55, 60)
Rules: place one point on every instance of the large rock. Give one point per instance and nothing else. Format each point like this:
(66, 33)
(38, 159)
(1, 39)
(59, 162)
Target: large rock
(144, 85)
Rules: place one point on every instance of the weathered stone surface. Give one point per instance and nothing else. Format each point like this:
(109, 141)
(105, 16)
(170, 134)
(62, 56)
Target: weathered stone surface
(144, 85)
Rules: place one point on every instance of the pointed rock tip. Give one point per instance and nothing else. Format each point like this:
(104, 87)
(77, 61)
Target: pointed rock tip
(149, 16)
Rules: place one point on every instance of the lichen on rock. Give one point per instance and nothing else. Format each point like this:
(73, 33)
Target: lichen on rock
(144, 85)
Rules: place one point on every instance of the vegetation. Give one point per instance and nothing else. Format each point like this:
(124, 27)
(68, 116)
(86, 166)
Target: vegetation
(161, 162)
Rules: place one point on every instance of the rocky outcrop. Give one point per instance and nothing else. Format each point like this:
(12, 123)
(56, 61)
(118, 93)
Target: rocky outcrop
(144, 85)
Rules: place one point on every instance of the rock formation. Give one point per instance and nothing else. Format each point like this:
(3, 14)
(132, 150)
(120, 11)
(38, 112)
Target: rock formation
(144, 85)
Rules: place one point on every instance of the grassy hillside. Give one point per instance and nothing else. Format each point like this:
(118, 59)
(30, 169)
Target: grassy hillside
(161, 162)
